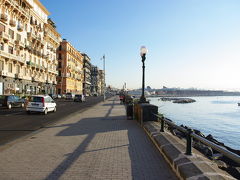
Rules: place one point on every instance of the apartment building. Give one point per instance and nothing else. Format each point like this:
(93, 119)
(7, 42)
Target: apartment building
(94, 80)
(70, 69)
(101, 82)
(87, 75)
(27, 65)
(53, 39)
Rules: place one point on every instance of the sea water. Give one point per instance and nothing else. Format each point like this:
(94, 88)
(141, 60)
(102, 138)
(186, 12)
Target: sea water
(218, 115)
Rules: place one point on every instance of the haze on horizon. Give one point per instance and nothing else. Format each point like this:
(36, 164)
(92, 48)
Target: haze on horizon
(191, 43)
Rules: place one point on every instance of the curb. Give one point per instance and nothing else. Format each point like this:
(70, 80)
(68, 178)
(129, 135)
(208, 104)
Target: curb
(185, 166)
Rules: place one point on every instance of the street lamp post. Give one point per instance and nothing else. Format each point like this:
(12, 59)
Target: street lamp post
(143, 52)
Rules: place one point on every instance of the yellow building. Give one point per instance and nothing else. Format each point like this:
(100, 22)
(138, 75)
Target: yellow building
(26, 64)
(70, 69)
(53, 39)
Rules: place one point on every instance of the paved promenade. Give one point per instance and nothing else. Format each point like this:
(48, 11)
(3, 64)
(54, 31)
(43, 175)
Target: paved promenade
(99, 143)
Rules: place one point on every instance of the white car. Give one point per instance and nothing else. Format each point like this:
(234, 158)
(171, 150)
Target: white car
(70, 96)
(41, 103)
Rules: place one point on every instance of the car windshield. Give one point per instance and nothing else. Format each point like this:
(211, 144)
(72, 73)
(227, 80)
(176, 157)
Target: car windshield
(36, 99)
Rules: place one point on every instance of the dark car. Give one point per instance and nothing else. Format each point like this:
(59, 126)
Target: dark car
(79, 98)
(10, 101)
(53, 96)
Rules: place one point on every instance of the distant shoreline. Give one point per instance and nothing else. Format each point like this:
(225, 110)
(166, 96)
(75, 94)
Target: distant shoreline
(188, 95)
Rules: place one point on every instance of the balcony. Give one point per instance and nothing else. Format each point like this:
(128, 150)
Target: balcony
(20, 59)
(28, 47)
(3, 73)
(12, 22)
(18, 76)
(45, 56)
(39, 38)
(31, 35)
(19, 43)
(34, 79)
(52, 71)
(3, 17)
(23, 12)
(4, 36)
(32, 64)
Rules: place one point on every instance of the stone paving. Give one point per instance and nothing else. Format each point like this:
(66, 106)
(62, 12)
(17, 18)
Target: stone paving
(99, 143)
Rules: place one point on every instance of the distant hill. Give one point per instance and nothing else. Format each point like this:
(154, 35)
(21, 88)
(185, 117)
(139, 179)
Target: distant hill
(191, 92)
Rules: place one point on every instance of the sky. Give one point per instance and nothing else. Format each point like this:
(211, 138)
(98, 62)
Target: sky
(191, 43)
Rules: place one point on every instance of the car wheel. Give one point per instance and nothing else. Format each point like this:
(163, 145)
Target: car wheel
(55, 109)
(45, 111)
(9, 106)
(28, 112)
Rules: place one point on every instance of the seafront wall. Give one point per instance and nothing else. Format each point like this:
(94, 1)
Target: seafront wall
(194, 166)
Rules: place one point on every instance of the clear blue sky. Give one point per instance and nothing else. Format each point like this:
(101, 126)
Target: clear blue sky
(191, 43)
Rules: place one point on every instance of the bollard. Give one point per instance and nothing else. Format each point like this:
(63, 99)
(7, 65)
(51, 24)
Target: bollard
(162, 125)
(189, 142)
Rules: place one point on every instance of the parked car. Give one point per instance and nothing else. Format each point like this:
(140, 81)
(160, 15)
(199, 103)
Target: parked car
(53, 96)
(59, 96)
(69, 96)
(79, 98)
(95, 94)
(41, 103)
(10, 101)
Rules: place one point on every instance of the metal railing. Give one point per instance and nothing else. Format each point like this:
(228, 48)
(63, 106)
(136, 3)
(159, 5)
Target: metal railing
(190, 135)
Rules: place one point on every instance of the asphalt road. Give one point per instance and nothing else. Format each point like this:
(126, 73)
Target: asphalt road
(15, 122)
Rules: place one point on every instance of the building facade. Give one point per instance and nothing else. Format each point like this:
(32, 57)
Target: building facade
(101, 82)
(53, 39)
(87, 75)
(94, 80)
(70, 69)
(24, 53)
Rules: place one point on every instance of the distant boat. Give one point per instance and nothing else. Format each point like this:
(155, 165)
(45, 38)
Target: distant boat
(238, 104)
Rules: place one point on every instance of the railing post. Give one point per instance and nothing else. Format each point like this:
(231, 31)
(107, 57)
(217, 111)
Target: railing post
(189, 142)
(162, 125)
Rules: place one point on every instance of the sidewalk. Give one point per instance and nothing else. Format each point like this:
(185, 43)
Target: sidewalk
(98, 143)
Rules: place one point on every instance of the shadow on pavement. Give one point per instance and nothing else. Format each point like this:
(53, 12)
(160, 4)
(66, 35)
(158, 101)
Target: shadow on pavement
(144, 165)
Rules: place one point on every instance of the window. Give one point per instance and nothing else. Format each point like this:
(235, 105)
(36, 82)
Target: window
(18, 69)
(2, 28)
(60, 56)
(10, 49)
(24, 71)
(18, 52)
(18, 37)
(59, 65)
(11, 33)
(2, 46)
(10, 67)
(1, 65)
(59, 73)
